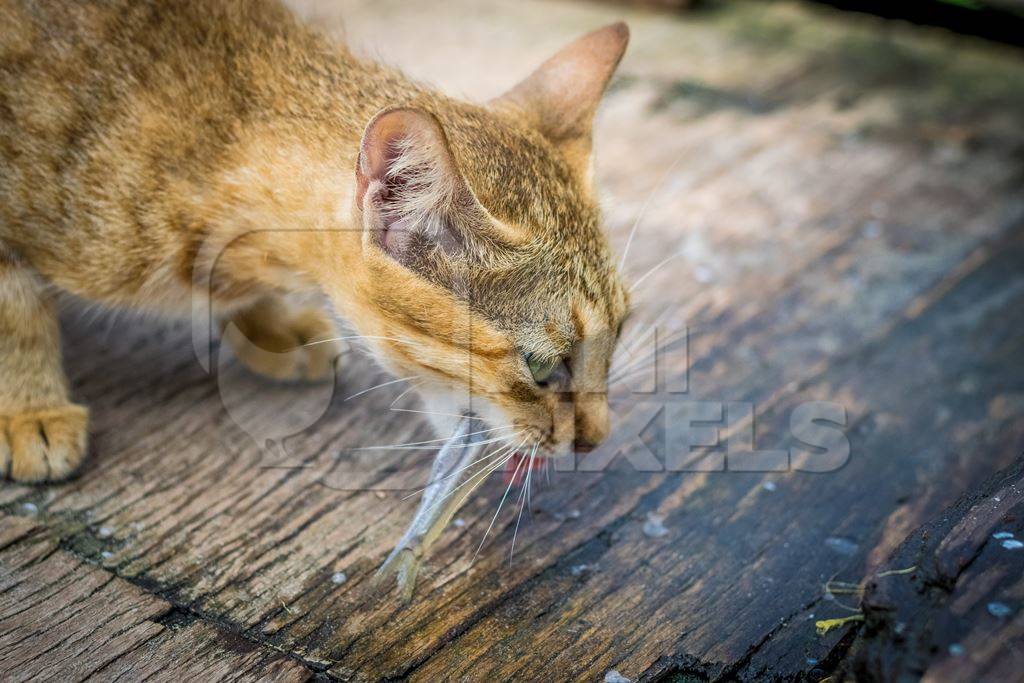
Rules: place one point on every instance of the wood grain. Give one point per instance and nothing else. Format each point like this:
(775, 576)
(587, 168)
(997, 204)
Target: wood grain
(58, 614)
(845, 201)
(957, 616)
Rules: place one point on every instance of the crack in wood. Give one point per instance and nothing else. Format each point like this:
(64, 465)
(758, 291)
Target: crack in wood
(180, 613)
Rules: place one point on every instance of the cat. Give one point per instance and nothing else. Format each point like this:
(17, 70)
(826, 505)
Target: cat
(150, 145)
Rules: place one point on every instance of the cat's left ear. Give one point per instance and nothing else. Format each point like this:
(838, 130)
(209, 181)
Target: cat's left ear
(407, 184)
(561, 96)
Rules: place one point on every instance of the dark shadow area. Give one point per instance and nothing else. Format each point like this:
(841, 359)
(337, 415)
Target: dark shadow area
(980, 19)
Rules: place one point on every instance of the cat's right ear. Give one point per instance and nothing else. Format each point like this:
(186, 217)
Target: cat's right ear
(561, 96)
(407, 184)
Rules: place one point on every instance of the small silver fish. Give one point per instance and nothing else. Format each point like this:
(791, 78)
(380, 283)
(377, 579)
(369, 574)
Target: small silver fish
(437, 504)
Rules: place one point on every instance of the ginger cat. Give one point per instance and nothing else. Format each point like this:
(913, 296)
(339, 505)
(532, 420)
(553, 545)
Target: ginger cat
(150, 145)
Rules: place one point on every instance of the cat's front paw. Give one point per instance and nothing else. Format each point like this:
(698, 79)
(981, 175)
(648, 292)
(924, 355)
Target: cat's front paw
(43, 445)
(297, 345)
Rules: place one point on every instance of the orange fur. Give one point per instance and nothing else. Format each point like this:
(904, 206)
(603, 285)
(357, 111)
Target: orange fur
(151, 145)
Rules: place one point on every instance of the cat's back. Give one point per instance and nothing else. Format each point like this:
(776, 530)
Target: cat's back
(67, 64)
(105, 104)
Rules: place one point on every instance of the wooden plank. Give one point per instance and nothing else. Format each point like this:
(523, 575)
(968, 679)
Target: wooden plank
(834, 194)
(57, 615)
(62, 619)
(199, 651)
(958, 615)
(730, 589)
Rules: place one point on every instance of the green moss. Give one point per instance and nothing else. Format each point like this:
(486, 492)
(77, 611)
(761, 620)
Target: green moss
(707, 98)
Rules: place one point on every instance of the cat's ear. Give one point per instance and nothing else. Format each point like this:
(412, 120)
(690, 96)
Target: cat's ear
(561, 96)
(407, 183)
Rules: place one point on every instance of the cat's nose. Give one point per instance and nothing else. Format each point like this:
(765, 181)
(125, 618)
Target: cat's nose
(582, 446)
(591, 424)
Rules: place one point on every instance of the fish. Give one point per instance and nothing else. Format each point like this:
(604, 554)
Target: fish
(439, 501)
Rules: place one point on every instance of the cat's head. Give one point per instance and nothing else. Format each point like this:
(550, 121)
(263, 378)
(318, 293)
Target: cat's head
(489, 277)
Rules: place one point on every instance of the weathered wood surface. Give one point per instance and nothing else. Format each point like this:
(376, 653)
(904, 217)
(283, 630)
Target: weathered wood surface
(62, 618)
(955, 616)
(845, 199)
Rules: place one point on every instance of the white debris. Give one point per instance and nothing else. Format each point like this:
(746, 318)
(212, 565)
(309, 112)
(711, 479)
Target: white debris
(1000, 535)
(459, 522)
(30, 508)
(614, 676)
(106, 554)
(843, 546)
(338, 578)
(956, 650)
(654, 527)
(105, 532)
(1012, 544)
(769, 486)
(999, 610)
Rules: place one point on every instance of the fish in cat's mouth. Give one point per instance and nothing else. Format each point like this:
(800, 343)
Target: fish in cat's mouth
(463, 463)
(452, 472)
(466, 459)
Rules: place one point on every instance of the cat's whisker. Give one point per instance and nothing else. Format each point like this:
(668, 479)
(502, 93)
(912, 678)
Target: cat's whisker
(641, 332)
(667, 259)
(493, 454)
(524, 501)
(643, 210)
(378, 386)
(501, 502)
(638, 336)
(533, 455)
(629, 362)
(423, 448)
(352, 337)
(430, 441)
(406, 391)
(475, 479)
(519, 518)
(633, 364)
(636, 364)
(639, 361)
(484, 472)
(627, 374)
(643, 365)
(424, 412)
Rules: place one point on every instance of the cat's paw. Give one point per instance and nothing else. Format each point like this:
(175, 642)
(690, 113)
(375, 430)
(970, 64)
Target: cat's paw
(43, 445)
(300, 345)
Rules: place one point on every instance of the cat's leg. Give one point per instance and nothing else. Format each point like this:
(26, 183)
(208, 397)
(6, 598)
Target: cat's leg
(42, 434)
(283, 341)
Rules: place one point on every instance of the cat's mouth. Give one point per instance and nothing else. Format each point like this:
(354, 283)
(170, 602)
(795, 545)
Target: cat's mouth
(521, 465)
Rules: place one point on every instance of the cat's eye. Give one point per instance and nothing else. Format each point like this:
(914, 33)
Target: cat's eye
(542, 369)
